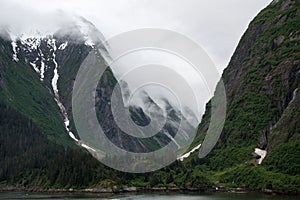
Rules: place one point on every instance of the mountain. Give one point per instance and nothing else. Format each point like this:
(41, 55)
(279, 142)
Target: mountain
(258, 149)
(150, 114)
(36, 142)
(37, 77)
(260, 144)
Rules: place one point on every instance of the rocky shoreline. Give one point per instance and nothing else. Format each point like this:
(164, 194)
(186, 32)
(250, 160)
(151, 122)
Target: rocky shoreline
(146, 190)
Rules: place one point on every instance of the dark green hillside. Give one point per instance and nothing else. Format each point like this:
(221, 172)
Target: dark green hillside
(21, 88)
(29, 159)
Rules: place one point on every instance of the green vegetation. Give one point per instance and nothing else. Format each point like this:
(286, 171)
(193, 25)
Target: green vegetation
(37, 162)
(260, 81)
(248, 115)
(23, 90)
(284, 158)
(258, 178)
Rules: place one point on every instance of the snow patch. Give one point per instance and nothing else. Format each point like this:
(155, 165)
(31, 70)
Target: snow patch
(56, 75)
(63, 45)
(181, 158)
(51, 43)
(55, 78)
(67, 122)
(32, 43)
(261, 153)
(15, 46)
(42, 71)
(88, 33)
(91, 36)
(35, 67)
(87, 147)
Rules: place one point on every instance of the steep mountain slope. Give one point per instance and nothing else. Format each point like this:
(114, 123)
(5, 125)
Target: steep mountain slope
(262, 84)
(120, 138)
(36, 81)
(56, 59)
(22, 89)
(53, 62)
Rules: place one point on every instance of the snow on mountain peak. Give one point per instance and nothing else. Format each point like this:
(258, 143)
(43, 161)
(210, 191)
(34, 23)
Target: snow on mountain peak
(89, 32)
(76, 29)
(81, 30)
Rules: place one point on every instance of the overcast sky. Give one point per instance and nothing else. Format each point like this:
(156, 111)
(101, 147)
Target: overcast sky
(216, 25)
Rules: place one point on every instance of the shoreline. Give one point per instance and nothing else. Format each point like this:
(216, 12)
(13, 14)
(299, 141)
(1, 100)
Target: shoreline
(136, 190)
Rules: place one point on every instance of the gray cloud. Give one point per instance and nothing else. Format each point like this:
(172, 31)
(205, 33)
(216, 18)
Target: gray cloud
(216, 25)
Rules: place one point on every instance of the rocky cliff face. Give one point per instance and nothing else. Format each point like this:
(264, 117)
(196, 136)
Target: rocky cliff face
(151, 114)
(262, 84)
(272, 66)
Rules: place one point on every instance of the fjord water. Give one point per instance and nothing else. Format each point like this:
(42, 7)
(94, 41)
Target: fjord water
(215, 196)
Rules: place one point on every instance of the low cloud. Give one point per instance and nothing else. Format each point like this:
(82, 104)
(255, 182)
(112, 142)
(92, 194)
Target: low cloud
(216, 25)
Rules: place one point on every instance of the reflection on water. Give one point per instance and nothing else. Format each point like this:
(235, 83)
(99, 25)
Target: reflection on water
(24, 195)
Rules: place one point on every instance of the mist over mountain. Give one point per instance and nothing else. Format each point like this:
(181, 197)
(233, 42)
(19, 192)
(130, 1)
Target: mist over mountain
(258, 149)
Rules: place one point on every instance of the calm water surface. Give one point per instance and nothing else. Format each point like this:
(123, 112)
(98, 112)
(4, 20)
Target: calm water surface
(23, 195)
